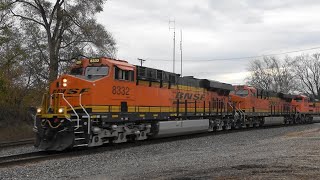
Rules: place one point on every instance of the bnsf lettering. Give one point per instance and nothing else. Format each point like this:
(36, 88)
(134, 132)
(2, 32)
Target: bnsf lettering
(196, 97)
(71, 91)
(59, 91)
(190, 96)
(84, 90)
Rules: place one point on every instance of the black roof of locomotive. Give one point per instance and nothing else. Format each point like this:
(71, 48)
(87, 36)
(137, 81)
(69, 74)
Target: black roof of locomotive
(204, 83)
(160, 75)
(281, 95)
(188, 81)
(285, 96)
(210, 84)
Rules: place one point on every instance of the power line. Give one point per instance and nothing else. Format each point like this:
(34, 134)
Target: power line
(239, 58)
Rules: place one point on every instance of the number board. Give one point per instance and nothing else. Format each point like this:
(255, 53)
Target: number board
(120, 90)
(78, 62)
(94, 60)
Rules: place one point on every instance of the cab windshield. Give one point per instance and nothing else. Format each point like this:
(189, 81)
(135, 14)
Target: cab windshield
(90, 73)
(97, 71)
(242, 92)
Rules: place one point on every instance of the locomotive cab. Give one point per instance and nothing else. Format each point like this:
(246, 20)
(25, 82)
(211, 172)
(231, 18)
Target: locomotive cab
(90, 69)
(244, 97)
(75, 97)
(91, 81)
(301, 103)
(245, 91)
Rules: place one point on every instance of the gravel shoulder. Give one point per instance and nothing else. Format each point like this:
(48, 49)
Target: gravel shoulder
(273, 153)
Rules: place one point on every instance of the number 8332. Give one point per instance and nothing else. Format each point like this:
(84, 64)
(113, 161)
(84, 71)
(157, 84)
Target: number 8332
(120, 90)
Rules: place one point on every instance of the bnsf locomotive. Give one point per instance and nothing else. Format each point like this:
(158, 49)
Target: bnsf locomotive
(104, 100)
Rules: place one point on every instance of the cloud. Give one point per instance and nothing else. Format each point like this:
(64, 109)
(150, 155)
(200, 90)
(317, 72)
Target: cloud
(212, 29)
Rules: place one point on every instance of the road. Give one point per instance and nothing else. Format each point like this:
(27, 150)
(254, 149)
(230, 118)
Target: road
(273, 153)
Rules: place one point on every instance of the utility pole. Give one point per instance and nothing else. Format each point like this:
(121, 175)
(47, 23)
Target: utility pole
(174, 41)
(181, 50)
(141, 61)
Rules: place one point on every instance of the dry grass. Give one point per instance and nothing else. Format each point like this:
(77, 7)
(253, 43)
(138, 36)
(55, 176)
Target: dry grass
(307, 133)
(23, 131)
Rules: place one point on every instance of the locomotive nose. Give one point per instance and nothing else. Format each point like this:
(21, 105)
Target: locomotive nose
(235, 98)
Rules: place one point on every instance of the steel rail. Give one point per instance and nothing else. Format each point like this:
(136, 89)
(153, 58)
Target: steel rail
(17, 143)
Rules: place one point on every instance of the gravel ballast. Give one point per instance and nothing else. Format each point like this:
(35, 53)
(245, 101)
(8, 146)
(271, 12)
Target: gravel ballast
(21, 149)
(277, 152)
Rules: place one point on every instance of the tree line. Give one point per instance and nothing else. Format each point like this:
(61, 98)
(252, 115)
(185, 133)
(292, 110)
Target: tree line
(38, 41)
(299, 74)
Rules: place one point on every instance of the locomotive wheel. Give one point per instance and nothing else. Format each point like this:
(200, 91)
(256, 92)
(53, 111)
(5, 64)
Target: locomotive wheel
(227, 125)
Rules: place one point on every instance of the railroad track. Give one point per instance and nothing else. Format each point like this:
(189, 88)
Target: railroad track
(16, 143)
(34, 157)
(21, 159)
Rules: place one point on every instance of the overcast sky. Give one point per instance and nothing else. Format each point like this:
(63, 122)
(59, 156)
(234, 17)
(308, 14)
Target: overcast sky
(212, 29)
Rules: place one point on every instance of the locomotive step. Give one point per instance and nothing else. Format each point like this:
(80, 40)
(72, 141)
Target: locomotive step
(80, 145)
(80, 126)
(79, 139)
(79, 132)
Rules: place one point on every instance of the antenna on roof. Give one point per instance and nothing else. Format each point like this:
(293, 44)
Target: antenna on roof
(141, 61)
(181, 50)
(174, 41)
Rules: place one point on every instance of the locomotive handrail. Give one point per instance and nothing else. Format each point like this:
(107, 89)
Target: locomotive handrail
(34, 117)
(233, 107)
(85, 111)
(74, 111)
(244, 115)
(43, 106)
(45, 102)
(238, 110)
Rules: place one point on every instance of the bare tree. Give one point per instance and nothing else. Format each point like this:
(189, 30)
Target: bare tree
(64, 27)
(307, 71)
(271, 74)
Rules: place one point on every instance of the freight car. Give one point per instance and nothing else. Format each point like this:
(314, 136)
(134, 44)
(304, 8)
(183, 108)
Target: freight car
(104, 100)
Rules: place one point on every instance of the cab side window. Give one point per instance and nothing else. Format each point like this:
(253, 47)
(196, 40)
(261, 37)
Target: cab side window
(125, 75)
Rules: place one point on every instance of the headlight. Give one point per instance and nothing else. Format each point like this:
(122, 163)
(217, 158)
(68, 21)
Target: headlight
(64, 82)
(60, 110)
(39, 110)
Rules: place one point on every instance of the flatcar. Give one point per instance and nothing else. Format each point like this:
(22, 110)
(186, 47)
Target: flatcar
(103, 100)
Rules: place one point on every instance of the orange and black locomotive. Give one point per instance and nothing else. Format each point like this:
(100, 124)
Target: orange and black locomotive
(104, 100)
